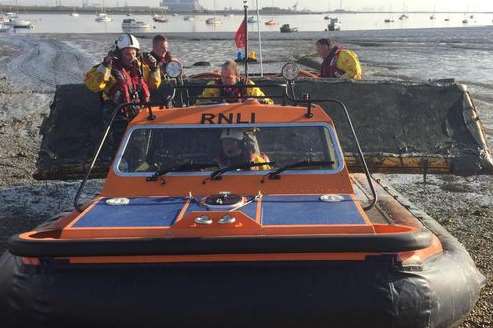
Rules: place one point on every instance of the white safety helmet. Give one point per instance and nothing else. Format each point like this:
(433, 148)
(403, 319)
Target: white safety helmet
(127, 41)
(236, 134)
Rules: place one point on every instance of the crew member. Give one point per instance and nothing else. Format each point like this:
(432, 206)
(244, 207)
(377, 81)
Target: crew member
(241, 147)
(123, 78)
(338, 62)
(160, 52)
(230, 87)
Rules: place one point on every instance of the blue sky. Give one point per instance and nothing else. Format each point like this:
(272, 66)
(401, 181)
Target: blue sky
(455, 5)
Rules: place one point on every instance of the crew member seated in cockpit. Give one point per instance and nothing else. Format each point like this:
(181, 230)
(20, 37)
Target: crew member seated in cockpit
(241, 147)
(230, 76)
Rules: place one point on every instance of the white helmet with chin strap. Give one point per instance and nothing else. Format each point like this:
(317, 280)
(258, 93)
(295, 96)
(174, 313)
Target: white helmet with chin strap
(127, 41)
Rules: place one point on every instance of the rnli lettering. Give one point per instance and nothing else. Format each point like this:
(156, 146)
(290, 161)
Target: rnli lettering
(230, 118)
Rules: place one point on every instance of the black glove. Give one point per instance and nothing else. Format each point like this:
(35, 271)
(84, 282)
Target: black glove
(151, 62)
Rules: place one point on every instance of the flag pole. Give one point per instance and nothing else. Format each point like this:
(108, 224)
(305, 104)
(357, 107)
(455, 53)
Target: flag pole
(260, 42)
(245, 5)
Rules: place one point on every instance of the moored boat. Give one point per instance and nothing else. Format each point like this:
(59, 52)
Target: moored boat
(213, 21)
(286, 28)
(160, 18)
(334, 24)
(251, 19)
(103, 18)
(4, 19)
(20, 23)
(133, 24)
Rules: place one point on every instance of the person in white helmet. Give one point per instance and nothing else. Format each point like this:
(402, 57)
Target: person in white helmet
(122, 78)
(241, 147)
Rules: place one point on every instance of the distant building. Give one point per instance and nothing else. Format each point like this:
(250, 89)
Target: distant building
(181, 5)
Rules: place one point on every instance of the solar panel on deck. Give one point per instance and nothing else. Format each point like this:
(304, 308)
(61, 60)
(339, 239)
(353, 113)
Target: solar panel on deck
(140, 212)
(308, 210)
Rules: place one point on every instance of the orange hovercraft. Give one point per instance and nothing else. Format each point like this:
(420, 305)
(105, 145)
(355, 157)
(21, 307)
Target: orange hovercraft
(243, 215)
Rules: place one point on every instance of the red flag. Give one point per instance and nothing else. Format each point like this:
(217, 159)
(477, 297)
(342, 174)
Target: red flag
(240, 36)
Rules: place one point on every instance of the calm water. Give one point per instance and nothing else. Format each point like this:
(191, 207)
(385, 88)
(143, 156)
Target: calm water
(64, 23)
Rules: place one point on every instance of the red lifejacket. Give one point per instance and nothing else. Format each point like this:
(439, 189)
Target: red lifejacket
(130, 85)
(235, 91)
(329, 65)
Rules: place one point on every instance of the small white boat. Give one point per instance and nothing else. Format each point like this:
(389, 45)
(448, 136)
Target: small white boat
(133, 24)
(160, 18)
(188, 18)
(20, 23)
(11, 15)
(103, 18)
(4, 19)
(335, 24)
(74, 14)
(251, 19)
(213, 21)
(4, 28)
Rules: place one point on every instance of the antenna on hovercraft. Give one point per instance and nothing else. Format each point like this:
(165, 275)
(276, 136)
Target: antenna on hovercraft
(106, 133)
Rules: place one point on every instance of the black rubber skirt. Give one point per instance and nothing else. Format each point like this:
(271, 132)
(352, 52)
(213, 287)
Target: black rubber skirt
(374, 293)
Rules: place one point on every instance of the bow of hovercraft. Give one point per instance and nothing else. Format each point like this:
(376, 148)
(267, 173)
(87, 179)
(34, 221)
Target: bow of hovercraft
(287, 238)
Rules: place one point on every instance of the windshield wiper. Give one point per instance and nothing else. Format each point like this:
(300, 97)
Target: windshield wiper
(216, 174)
(180, 168)
(275, 174)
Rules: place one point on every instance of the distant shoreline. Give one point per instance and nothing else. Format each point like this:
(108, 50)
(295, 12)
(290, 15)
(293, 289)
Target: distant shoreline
(158, 10)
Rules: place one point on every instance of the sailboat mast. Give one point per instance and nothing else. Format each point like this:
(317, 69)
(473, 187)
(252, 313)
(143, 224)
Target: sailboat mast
(245, 6)
(214, 5)
(260, 41)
